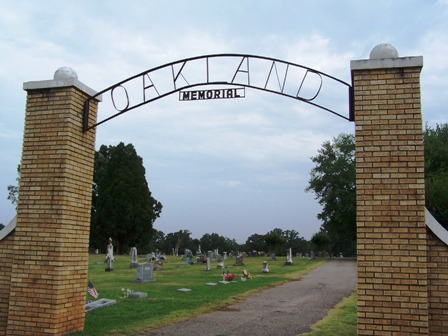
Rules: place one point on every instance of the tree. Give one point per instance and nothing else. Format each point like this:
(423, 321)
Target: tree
(321, 241)
(333, 181)
(179, 241)
(215, 241)
(275, 243)
(256, 242)
(13, 190)
(436, 171)
(157, 241)
(122, 205)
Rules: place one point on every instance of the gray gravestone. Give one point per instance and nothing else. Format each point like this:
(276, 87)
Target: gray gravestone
(133, 253)
(137, 295)
(239, 260)
(144, 273)
(265, 267)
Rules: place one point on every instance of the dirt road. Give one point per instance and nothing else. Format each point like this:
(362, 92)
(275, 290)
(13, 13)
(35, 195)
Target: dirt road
(285, 310)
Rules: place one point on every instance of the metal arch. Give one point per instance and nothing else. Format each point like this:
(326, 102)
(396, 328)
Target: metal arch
(179, 81)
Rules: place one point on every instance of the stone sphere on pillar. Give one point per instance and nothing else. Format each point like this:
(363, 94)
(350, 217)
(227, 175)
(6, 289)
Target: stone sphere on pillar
(383, 50)
(65, 73)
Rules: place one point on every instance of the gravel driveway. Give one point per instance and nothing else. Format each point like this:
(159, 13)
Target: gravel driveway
(285, 310)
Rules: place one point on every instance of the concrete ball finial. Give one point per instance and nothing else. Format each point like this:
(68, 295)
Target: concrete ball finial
(65, 73)
(383, 50)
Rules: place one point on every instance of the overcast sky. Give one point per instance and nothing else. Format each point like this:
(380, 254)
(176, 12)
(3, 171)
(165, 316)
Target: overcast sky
(233, 167)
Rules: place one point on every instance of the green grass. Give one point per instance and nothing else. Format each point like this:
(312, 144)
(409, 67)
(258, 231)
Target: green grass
(164, 305)
(340, 321)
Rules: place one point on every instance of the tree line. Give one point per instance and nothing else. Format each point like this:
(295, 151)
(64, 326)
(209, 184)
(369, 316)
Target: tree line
(124, 209)
(276, 241)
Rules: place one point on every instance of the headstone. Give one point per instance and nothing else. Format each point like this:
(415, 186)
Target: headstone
(109, 264)
(239, 260)
(208, 268)
(220, 265)
(110, 255)
(158, 265)
(265, 267)
(184, 290)
(137, 295)
(150, 257)
(199, 249)
(312, 255)
(211, 284)
(288, 257)
(273, 257)
(144, 273)
(101, 303)
(225, 255)
(133, 253)
(211, 255)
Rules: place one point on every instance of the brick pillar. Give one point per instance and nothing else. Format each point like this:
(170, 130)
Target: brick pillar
(50, 251)
(391, 232)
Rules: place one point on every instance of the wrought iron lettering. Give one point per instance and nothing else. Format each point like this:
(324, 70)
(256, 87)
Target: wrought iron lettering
(151, 86)
(175, 78)
(212, 94)
(280, 86)
(243, 71)
(112, 94)
(256, 72)
(303, 81)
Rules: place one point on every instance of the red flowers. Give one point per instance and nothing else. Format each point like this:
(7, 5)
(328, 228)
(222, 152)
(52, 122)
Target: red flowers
(229, 277)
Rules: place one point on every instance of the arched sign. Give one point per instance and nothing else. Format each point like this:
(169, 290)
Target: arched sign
(230, 74)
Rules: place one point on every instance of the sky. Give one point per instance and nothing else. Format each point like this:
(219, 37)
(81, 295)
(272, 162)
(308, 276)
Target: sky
(233, 167)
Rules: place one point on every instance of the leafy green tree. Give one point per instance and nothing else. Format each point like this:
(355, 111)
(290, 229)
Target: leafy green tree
(296, 242)
(333, 182)
(214, 241)
(436, 171)
(321, 242)
(275, 243)
(157, 241)
(256, 242)
(123, 207)
(278, 241)
(179, 241)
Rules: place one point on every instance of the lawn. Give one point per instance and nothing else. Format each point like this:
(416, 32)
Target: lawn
(164, 304)
(340, 321)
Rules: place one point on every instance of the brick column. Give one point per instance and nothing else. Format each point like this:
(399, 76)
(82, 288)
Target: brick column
(50, 250)
(391, 231)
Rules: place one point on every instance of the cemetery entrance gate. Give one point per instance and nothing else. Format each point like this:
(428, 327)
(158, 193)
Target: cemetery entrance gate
(402, 266)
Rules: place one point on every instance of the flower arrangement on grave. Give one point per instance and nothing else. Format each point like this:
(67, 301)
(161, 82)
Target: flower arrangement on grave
(229, 276)
(246, 274)
(126, 292)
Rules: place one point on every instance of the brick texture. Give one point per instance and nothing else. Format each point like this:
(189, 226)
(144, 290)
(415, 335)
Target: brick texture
(438, 286)
(392, 237)
(48, 268)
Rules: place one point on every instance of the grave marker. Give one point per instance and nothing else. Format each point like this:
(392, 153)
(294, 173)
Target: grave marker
(144, 273)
